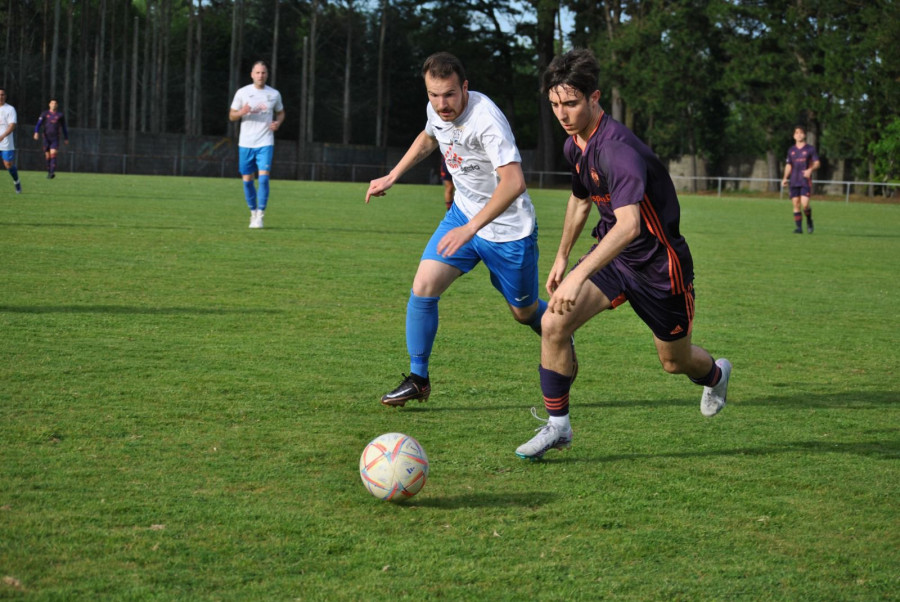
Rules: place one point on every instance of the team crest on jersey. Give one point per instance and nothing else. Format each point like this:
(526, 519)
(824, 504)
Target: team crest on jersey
(457, 135)
(595, 177)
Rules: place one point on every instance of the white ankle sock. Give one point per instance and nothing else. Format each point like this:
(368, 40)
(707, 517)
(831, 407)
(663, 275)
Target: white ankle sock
(561, 421)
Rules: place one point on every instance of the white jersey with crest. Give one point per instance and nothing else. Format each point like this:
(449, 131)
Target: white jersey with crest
(474, 146)
(7, 116)
(264, 103)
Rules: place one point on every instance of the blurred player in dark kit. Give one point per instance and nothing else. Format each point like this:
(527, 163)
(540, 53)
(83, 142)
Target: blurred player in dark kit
(53, 123)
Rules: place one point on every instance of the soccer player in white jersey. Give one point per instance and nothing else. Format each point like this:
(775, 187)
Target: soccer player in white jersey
(254, 106)
(8, 121)
(491, 219)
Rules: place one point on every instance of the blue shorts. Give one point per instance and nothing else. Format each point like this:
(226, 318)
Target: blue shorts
(670, 317)
(798, 191)
(252, 160)
(8, 156)
(513, 265)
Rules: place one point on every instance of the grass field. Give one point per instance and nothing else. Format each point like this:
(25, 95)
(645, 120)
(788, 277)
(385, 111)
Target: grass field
(184, 402)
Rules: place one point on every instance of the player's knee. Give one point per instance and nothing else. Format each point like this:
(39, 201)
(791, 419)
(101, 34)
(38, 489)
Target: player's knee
(671, 366)
(556, 326)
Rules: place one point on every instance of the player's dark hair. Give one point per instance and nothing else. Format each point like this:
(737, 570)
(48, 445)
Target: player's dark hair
(442, 65)
(260, 62)
(577, 68)
(800, 127)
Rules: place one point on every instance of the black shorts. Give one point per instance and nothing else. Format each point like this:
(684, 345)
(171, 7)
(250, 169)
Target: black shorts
(670, 317)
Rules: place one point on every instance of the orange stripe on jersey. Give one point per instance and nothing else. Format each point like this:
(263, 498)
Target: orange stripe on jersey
(651, 218)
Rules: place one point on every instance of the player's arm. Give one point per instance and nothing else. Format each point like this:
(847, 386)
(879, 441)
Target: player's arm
(236, 114)
(9, 130)
(787, 174)
(510, 187)
(577, 212)
(807, 173)
(37, 127)
(279, 119)
(421, 147)
(625, 230)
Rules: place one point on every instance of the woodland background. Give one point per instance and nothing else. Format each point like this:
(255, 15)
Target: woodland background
(706, 79)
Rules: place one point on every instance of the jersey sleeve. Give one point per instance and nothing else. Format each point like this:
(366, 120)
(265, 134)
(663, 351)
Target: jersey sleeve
(626, 174)
(37, 126)
(498, 141)
(279, 106)
(237, 103)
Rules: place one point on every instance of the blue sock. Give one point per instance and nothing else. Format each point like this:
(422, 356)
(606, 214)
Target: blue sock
(263, 192)
(421, 329)
(250, 194)
(14, 173)
(535, 323)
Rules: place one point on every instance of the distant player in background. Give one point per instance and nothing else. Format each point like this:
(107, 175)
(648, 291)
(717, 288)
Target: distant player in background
(254, 106)
(8, 122)
(53, 123)
(802, 160)
(640, 256)
(449, 189)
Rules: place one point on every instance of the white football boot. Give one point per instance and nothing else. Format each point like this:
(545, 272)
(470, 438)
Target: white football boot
(713, 399)
(549, 436)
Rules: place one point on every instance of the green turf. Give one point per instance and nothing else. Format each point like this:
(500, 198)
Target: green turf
(183, 402)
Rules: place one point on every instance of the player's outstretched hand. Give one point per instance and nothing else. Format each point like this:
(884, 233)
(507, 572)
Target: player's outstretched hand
(379, 187)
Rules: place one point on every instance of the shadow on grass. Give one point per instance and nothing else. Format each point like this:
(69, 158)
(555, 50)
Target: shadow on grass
(483, 500)
(889, 449)
(857, 400)
(128, 309)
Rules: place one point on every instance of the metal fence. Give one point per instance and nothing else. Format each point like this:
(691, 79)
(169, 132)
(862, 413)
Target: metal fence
(221, 167)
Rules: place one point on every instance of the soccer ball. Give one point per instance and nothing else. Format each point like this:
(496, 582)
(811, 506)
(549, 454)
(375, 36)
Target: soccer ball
(393, 467)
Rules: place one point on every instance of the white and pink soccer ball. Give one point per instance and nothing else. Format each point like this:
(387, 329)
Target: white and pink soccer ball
(393, 467)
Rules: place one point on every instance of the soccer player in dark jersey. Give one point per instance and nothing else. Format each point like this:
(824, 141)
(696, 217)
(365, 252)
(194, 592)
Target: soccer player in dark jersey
(802, 160)
(53, 122)
(640, 256)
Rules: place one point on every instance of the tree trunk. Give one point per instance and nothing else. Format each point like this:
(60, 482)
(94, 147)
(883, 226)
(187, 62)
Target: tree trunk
(54, 53)
(546, 152)
(379, 103)
(188, 70)
(304, 75)
(132, 119)
(69, 17)
(98, 68)
(198, 70)
(110, 94)
(275, 43)
(348, 56)
(311, 91)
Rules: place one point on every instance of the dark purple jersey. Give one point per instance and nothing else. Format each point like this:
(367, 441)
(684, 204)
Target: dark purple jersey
(616, 169)
(54, 122)
(801, 159)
